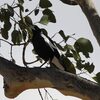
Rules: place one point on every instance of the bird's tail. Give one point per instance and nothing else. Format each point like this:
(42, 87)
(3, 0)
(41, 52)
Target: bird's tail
(55, 61)
(63, 64)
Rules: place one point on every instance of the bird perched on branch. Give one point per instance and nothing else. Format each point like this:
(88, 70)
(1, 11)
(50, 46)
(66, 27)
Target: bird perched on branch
(47, 51)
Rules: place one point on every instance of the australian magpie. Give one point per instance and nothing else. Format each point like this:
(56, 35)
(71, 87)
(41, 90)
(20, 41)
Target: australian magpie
(47, 51)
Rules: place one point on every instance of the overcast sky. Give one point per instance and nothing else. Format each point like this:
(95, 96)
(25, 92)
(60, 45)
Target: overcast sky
(71, 20)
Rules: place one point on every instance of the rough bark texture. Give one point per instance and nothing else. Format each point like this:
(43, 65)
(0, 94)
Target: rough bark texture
(90, 12)
(17, 79)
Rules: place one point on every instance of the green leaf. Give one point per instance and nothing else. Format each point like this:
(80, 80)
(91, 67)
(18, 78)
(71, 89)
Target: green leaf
(89, 67)
(21, 1)
(7, 25)
(36, 12)
(28, 20)
(44, 31)
(16, 37)
(62, 34)
(44, 20)
(71, 52)
(98, 74)
(4, 15)
(66, 38)
(19, 39)
(68, 54)
(26, 10)
(24, 34)
(84, 45)
(76, 55)
(10, 10)
(68, 47)
(68, 65)
(79, 64)
(21, 25)
(97, 77)
(4, 33)
(45, 3)
(50, 15)
(21, 7)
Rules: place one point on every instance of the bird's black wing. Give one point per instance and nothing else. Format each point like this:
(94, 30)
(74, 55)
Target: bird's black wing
(52, 44)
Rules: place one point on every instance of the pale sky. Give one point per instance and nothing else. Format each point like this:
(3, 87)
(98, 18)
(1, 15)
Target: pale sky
(71, 20)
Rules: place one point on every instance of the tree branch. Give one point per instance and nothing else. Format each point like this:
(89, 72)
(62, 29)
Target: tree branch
(92, 15)
(69, 2)
(17, 79)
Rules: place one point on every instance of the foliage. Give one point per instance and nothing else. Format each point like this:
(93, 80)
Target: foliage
(21, 34)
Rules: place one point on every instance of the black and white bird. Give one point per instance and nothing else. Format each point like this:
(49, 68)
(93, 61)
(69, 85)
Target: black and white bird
(47, 51)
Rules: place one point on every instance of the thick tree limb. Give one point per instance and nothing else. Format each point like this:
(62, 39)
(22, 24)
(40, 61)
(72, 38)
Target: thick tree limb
(90, 12)
(17, 79)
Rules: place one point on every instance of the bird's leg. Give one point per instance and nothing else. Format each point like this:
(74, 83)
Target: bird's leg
(43, 64)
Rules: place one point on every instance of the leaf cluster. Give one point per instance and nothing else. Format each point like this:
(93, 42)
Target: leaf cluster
(48, 15)
(74, 52)
(5, 14)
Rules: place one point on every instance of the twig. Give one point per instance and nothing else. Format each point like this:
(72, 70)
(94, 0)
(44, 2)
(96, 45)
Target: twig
(13, 44)
(11, 52)
(13, 3)
(48, 93)
(61, 41)
(54, 35)
(72, 37)
(23, 54)
(14, 20)
(32, 11)
(7, 42)
(40, 94)
(17, 14)
(12, 47)
(32, 61)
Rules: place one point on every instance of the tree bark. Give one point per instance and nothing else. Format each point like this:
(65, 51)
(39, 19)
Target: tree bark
(91, 13)
(17, 79)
